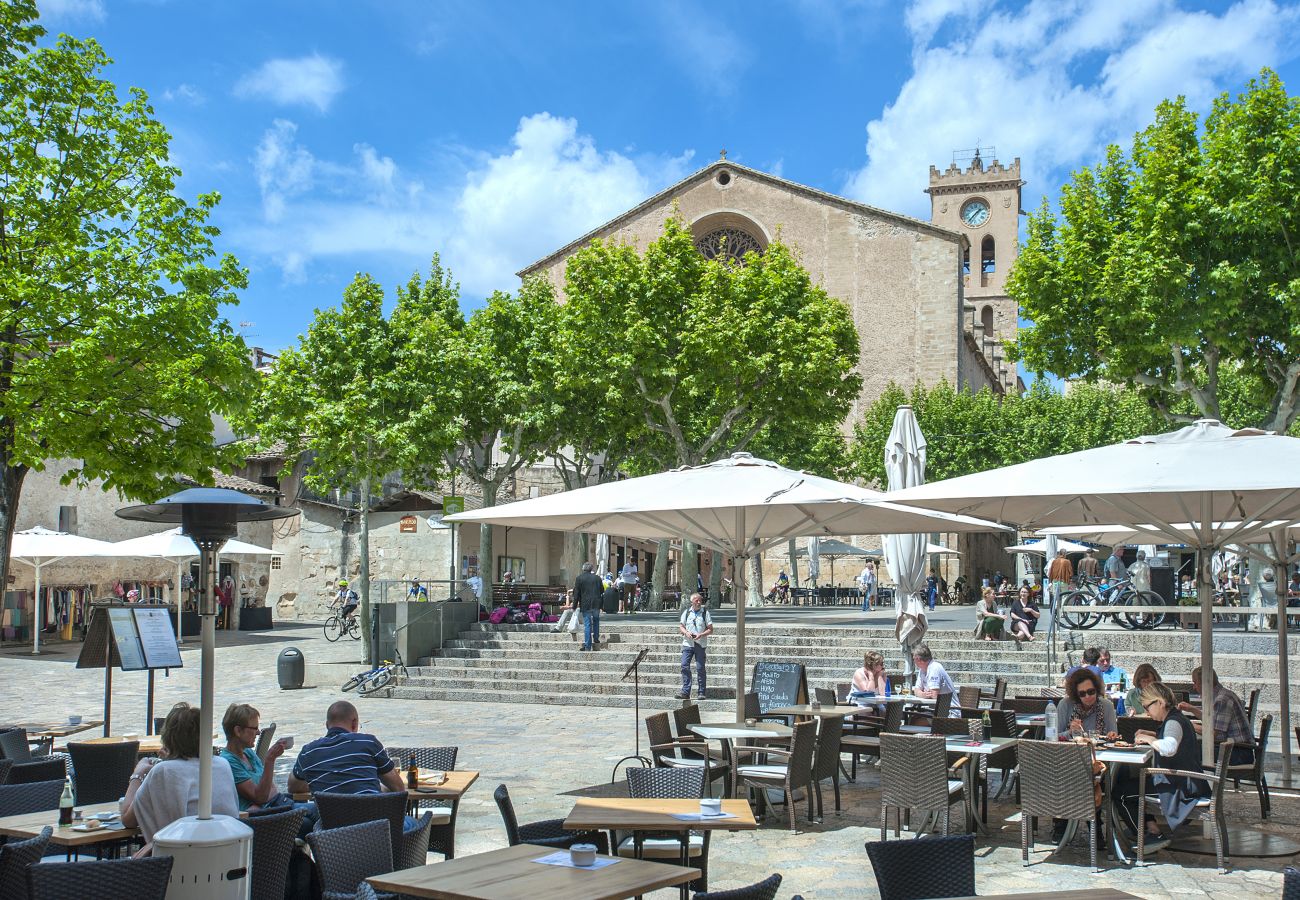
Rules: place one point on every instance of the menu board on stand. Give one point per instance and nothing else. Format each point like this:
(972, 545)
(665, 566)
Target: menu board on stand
(779, 683)
(133, 639)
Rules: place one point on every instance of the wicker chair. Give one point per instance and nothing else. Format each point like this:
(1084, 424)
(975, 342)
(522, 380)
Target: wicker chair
(21, 799)
(969, 696)
(1026, 706)
(25, 768)
(914, 774)
(1207, 810)
(668, 784)
(764, 890)
(442, 837)
(942, 706)
(790, 776)
(101, 772)
(826, 759)
(264, 739)
(139, 879)
(273, 843)
(547, 832)
(340, 810)
(683, 718)
(15, 857)
(1253, 773)
(868, 744)
(1291, 883)
(345, 857)
(670, 753)
(1056, 781)
(923, 868)
(1129, 726)
(1252, 706)
(825, 696)
(5, 766)
(997, 695)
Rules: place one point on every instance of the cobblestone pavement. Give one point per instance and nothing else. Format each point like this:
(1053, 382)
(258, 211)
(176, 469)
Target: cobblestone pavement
(543, 753)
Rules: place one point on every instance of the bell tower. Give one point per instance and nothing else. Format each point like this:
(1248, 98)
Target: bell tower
(982, 201)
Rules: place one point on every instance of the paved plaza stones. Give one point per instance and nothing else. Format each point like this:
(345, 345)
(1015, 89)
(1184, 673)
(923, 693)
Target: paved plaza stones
(546, 752)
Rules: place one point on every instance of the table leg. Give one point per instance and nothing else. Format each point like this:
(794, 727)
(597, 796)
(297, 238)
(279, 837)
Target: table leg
(1112, 816)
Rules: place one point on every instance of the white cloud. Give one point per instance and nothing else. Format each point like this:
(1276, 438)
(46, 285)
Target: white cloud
(184, 93)
(73, 10)
(308, 80)
(1053, 82)
(705, 48)
(550, 186)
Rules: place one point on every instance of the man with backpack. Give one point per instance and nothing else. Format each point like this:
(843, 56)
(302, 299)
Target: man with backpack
(695, 626)
(586, 593)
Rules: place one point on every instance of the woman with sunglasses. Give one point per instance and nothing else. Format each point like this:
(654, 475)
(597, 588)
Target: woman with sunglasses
(1085, 709)
(254, 777)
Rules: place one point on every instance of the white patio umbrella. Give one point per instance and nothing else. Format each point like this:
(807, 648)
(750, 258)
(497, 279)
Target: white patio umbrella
(739, 506)
(833, 550)
(1226, 485)
(814, 560)
(940, 550)
(905, 466)
(38, 547)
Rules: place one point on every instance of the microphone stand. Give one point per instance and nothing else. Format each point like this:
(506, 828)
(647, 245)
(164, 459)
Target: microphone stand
(635, 671)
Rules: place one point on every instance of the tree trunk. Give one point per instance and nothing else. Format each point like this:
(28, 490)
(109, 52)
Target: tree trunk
(715, 581)
(575, 553)
(755, 581)
(690, 567)
(11, 486)
(363, 578)
(660, 577)
(486, 568)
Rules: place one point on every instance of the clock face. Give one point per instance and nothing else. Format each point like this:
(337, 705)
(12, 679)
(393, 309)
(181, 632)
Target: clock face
(975, 213)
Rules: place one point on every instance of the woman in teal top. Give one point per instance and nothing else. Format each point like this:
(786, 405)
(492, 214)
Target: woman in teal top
(254, 779)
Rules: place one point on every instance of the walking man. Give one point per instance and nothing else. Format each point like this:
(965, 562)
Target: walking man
(1060, 573)
(867, 581)
(628, 577)
(586, 592)
(695, 625)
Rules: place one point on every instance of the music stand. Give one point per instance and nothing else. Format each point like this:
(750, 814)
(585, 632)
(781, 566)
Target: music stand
(635, 671)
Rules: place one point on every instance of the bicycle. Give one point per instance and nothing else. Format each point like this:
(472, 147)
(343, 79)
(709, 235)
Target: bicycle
(336, 626)
(390, 672)
(1114, 597)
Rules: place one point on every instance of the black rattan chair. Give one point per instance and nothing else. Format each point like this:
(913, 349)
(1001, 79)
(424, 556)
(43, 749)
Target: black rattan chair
(923, 868)
(1129, 726)
(101, 772)
(764, 890)
(21, 799)
(547, 832)
(442, 836)
(865, 741)
(677, 753)
(26, 768)
(668, 784)
(347, 856)
(1291, 883)
(273, 843)
(826, 759)
(914, 774)
(1253, 773)
(1208, 809)
(1026, 706)
(1056, 781)
(788, 776)
(340, 810)
(139, 879)
(15, 857)
(5, 766)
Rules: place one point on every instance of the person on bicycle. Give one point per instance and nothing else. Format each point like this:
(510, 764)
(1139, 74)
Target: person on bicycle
(348, 599)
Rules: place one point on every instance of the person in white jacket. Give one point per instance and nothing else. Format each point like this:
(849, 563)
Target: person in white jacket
(1140, 572)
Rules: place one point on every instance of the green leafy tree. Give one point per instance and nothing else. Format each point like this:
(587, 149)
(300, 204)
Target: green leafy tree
(713, 352)
(1177, 268)
(113, 349)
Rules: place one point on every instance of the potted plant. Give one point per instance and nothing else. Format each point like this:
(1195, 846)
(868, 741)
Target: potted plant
(1191, 619)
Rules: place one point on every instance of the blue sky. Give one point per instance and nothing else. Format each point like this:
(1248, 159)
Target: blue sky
(366, 136)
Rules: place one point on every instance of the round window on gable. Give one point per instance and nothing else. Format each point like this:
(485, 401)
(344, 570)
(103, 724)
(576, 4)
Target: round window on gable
(724, 178)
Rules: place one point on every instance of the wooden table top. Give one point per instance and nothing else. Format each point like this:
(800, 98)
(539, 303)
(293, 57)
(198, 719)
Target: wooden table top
(457, 783)
(57, 729)
(150, 744)
(511, 874)
(30, 824)
(805, 709)
(628, 814)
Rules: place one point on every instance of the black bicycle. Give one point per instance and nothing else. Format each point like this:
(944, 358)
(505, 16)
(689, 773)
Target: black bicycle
(337, 625)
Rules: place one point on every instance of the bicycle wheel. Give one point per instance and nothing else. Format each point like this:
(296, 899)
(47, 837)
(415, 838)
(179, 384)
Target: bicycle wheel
(354, 629)
(356, 681)
(379, 680)
(333, 629)
(1076, 619)
(1142, 619)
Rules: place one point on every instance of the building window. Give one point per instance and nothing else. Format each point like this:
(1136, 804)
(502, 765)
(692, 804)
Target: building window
(965, 261)
(277, 563)
(988, 259)
(728, 244)
(68, 519)
(986, 319)
(514, 565)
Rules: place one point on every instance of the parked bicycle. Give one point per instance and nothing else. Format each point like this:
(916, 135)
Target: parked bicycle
(1118, 599)
(391, 673)
(337, 625)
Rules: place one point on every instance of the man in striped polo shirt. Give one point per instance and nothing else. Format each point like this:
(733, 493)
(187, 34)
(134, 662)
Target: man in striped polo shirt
(344, 761)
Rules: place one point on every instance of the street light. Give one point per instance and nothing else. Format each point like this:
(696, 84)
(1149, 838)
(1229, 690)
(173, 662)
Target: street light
(215, 850)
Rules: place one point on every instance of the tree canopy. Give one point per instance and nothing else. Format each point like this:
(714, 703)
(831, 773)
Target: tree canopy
(113, 349)
(1176, 268)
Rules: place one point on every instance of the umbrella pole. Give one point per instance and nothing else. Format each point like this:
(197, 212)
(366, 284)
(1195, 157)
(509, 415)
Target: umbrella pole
(738, 564)
(36, 614)
(1283, 664)
(1205, 594)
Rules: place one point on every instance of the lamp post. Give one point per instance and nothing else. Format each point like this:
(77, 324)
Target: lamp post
(209, 517)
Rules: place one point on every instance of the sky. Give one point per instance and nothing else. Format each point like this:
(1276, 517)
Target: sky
(350, 136)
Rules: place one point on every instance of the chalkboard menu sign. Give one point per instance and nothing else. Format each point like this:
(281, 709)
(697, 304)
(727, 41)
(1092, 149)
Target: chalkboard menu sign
(779, 683)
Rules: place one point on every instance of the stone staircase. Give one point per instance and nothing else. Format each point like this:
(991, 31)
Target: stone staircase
(531, 664)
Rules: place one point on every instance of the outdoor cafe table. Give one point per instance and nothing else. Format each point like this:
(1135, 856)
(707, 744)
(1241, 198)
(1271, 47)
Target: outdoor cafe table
(512, 874)
(653, 814)
(807, 709)
(726, 732)
(29, 825)
(989, 747)
(150, 744)
(54, 730)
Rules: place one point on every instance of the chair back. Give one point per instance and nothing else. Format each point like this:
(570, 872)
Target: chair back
(752, 708)
(15, 857)
(683, 718)
(826, 760)
(924, 867)
(5, 766)
(968, 696)
(21, 799)
(1002, 723)
(1265, 726)
(764, 890)
(13, 745)
(502, 796)
(666, 784)
(914, 771)
(999, 691)
(842, 691)
(273, 842)
(824, 696)
(101, 772)
(439, 759)
(963, 727)
(1129, 726)
(659, 733)
(412, 850)
(263, 741)
(942, 705)
(1026, 706)
(345, 857)
(1252, 706)
(1056, 779)
(139, 879)
(341, 810)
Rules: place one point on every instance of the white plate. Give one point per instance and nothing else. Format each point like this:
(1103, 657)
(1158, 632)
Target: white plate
(105, 816)
(84, 827)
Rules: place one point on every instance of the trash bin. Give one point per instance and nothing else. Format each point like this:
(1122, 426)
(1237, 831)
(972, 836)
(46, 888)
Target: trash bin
(291, 669)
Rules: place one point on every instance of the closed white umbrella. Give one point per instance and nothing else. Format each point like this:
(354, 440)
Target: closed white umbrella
(38, 547)
(905, 466)
(739, 506)
(814, 560)
(1225, 486)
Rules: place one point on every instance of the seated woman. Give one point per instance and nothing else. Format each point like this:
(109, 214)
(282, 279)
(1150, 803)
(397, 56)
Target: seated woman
(1177, 747)
(1085, 708)
(988, 621)
(869, 681)
(1143, 675)
(1024, 615)
(254, 778)
(162, 791)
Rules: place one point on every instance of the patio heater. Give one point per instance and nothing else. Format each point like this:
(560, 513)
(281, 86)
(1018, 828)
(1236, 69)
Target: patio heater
(211, 853)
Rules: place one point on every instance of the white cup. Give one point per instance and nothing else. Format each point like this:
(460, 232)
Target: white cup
(583, 854)
(74, 720)
(710, 806)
